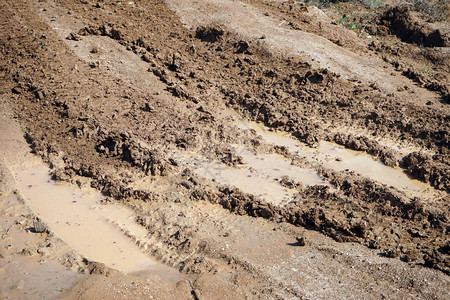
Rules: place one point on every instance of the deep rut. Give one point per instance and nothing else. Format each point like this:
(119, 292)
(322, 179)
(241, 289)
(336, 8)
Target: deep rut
(148, 111)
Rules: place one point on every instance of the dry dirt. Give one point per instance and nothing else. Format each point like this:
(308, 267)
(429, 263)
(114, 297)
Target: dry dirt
(224, 150)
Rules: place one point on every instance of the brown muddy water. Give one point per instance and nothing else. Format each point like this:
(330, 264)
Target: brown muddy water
(78, 218)
(339, 158)
(259, 174)
(243, 178)
(101, 233)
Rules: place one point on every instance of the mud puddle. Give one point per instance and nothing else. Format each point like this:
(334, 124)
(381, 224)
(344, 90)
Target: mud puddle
(276, 166)
(339, 158)
(260, 174)
(24, 274)
(102, 233)
(77, 218)
(242, 177)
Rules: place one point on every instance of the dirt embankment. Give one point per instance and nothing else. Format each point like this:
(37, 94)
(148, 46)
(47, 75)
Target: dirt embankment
(117, 92)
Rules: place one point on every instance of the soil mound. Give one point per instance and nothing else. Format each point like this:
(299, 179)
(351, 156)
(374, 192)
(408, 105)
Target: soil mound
(411, 28)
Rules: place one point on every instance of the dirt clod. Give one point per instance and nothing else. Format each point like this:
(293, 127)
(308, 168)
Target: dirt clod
(301, 240)
(173, 110)
(209, 33)
(39, 226)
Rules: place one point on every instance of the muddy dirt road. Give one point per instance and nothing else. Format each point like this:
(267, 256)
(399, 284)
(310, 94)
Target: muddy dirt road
(222, 149)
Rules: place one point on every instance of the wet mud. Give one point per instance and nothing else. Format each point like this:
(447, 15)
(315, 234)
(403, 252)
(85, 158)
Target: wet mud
(228, 152)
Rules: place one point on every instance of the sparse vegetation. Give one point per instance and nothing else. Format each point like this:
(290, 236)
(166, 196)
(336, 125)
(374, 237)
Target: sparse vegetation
(358, 23)
(323, 3)
(343, 20)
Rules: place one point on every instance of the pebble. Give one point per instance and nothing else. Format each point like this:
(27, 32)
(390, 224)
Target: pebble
(301, 240)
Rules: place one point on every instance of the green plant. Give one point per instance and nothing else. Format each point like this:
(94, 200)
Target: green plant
(425, 70)
(343, 20)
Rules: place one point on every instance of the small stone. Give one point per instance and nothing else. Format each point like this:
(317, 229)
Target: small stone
(391, 253)
(43, 251)
(28, 251)
(39, 226)
(16, 90)
(176, 61)
(301, 240)
(185, 185)
(147, 58)
(148, 107)
(73, 37)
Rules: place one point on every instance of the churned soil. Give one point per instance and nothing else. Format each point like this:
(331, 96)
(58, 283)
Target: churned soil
(137, 96)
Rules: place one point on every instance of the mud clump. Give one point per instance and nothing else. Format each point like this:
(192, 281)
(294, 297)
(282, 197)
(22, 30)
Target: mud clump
(412, 29)
(301, 241)
(39, 226)
(198, 265)
(176, 62)
(231, 159)
(97, 268)
(242, 47)
(391, 253)
(290, 183)
(73, 37)
(105, 30)
(209, 33)
(437, 260)
(136, 152)
(421, 166)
